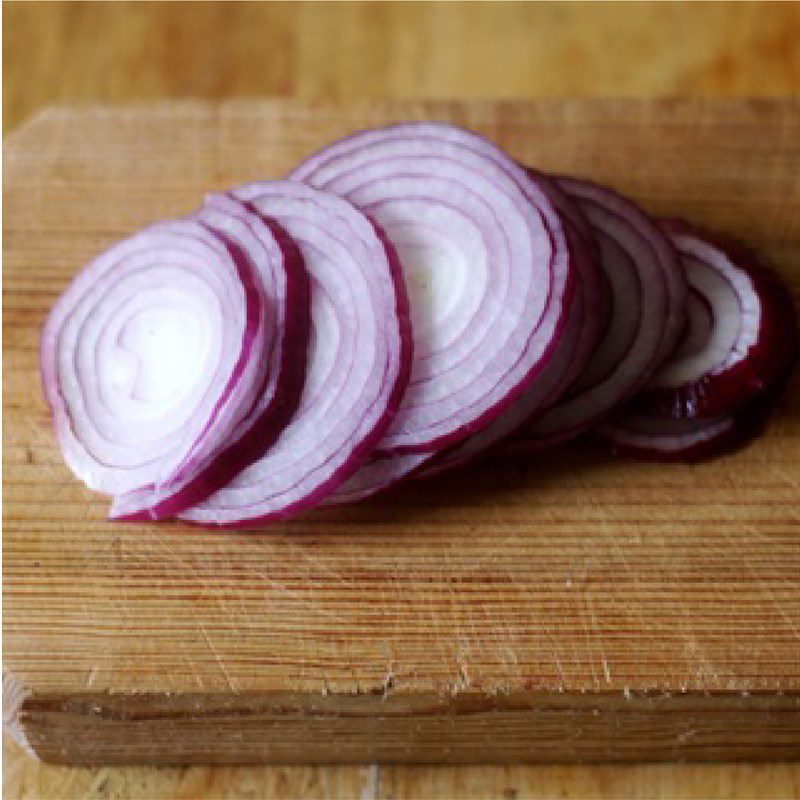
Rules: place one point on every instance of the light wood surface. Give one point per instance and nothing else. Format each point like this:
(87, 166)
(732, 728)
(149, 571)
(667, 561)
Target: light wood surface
(111, 52)
(571, 608)
(101, 51)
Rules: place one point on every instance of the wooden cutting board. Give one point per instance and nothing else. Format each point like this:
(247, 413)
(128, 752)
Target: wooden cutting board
(568, 608)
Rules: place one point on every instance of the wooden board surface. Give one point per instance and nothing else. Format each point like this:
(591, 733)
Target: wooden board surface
(61, 52)
(573, 608)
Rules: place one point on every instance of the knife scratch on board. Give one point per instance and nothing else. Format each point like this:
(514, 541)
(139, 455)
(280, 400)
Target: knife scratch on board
(213, 650)
(598, 635)
(90, 677)
(767, 592)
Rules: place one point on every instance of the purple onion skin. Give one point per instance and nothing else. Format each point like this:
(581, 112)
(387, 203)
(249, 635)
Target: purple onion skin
(528, 440)
(768, 362)
(748, 424)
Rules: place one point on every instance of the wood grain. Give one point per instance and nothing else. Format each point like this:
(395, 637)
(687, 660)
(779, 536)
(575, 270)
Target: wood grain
(81, 52)
(578, 608)
(102, 51)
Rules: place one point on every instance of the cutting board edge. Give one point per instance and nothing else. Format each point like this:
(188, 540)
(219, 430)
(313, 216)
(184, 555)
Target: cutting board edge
(539, 727)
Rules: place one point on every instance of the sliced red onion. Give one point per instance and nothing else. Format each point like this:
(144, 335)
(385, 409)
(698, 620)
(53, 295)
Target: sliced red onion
(740, 335)
(595, 291)
(648, 291)
(153, 355)
(485, 256)
(359, 359)
(537, 396)
(576, 344)
(378, 474)
(280, 361)
(653, 437)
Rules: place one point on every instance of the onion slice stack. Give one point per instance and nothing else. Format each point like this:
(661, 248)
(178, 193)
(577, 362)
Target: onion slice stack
(255, 359)
(648, 295)
(153, 357)
(486, 261)
(358, 362)
(737, 350)
(584, 326)
(280, 360)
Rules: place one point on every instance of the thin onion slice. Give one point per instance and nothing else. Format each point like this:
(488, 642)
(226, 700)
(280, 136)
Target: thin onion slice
(577, 342)
(595, 291)
(654, 437)
(486, 260)
(378, 474)
(280, 360)
(153, 355)
(358, 364)
(648, 295)
(741, 333)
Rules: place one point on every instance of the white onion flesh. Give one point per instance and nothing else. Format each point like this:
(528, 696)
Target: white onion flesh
(486, 262)
(274, 374)
(147, 358)
(665, 435)
(733, 306)
(378, 474)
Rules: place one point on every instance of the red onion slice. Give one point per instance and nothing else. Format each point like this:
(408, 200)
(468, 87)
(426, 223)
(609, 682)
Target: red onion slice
(378, 474)
(359, 359)
(595, 291)
(152, 356)
(648, 291)
(653, 437)
(280, 360)
(486, 260)
(740, 337)
(542, 391)
(578, 340)
(559, 372)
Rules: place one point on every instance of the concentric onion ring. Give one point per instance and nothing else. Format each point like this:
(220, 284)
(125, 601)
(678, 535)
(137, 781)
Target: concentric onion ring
(485, 257)
(154, 355)
(280, 360)
(578, 340)
(543, 391)
(740, 335)
(648, 292)
(595, 291)
(358, 365)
